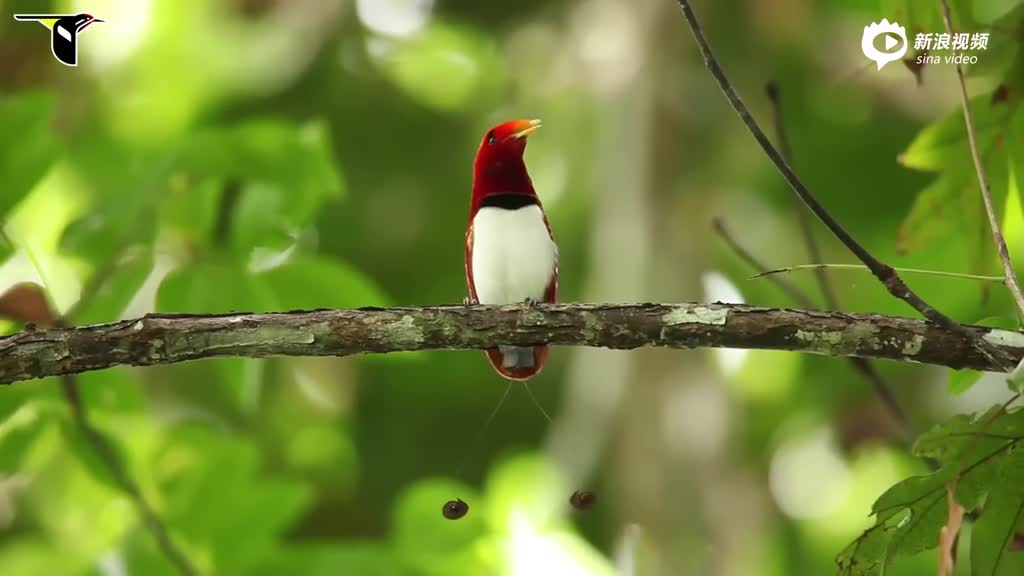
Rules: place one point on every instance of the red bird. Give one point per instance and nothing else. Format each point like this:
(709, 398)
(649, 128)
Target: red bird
(511, 256)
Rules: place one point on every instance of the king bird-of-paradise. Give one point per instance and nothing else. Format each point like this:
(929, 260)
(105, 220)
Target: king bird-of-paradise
(511, 256)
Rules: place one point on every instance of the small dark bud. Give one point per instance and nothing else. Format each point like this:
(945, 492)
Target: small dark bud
(772, 90)
(1001, 94)
(455, 509)
(583, 499)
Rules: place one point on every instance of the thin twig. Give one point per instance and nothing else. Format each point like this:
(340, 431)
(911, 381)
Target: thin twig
(986, 192)
(885, 274)
(861, 267)
(792, 290)
(866, 368)
(106, 453)
(831, 302)
(102, 445)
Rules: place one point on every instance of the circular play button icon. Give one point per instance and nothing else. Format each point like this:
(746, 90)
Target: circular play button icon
(892, 47)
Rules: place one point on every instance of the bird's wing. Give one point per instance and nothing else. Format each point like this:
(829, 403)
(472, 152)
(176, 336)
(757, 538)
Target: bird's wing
(469, 263)
(551, 293)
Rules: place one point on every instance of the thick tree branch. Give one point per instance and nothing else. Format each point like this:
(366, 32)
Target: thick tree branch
(167, 339)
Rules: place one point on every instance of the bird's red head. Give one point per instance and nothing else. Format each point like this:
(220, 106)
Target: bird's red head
(499, 166)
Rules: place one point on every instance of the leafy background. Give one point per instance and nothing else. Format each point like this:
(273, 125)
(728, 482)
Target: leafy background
(210, 156)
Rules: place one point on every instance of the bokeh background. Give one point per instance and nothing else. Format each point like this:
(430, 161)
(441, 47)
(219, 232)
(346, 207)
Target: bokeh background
(219, 155)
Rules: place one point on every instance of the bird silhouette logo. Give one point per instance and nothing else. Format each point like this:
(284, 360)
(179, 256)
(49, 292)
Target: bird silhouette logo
(64, 31)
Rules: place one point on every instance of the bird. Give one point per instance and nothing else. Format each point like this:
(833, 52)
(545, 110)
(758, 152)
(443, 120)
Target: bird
(510, 254)
(64, 31)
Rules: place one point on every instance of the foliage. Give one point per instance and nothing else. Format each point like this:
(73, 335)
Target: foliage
(210, 156)
(981, 456)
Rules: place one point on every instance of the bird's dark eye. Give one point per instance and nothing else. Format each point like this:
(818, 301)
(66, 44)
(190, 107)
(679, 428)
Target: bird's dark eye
(490, 138)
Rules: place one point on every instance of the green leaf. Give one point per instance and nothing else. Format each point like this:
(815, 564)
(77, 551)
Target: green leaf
(933, 215)
(944, 143)
(865, 555)
(124, 184)
(28, 145)
(981, 451)
(961, 381)
(468, 61)
(952, 204)
(914, 15)
(286, 171)
(211, 287)
(428, 542)
(993, 532)
(191, 210)
(93, 448)
(334, 559)
(309, 282)
(217, 497)
(118, 286)
(988, 11)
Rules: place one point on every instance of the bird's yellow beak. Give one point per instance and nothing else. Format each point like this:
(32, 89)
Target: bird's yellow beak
(524, 128)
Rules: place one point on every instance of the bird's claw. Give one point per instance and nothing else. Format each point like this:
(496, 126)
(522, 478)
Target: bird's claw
(531, 302)
(466, 301)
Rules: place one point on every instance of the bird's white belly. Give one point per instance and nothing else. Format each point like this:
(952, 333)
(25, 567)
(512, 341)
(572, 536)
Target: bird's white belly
(513, 255)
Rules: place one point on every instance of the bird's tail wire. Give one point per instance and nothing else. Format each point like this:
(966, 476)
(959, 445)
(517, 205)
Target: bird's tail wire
(483, 430)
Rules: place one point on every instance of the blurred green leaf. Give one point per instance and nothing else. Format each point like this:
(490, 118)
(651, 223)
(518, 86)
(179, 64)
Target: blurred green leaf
(124, 184)
(213, 286)
(91, 450)
(21, 429)
(28, 145)
(118, 283)
(215, 491)
(332, 560)
(191, 211)
(325, 453)
(961, 381)
(286, 171)
(914, 15)
(952, 204)
(988, 11)
(429, 543)
(934, 214)
(943, 144)
(309, 282)
(445, 67)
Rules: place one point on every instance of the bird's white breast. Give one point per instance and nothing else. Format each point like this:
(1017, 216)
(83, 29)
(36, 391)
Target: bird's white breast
(513, 255)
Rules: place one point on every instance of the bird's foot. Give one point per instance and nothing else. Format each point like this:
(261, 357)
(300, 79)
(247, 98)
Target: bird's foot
(531, 302)
(466, 301)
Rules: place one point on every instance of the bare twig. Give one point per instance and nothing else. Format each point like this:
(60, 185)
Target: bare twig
(943, 273)
(831, 302)
(792, 290)
(885, 273)
(106, 453)
(866, 368)
(986, 192)
(102, 445)
(168, 339)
